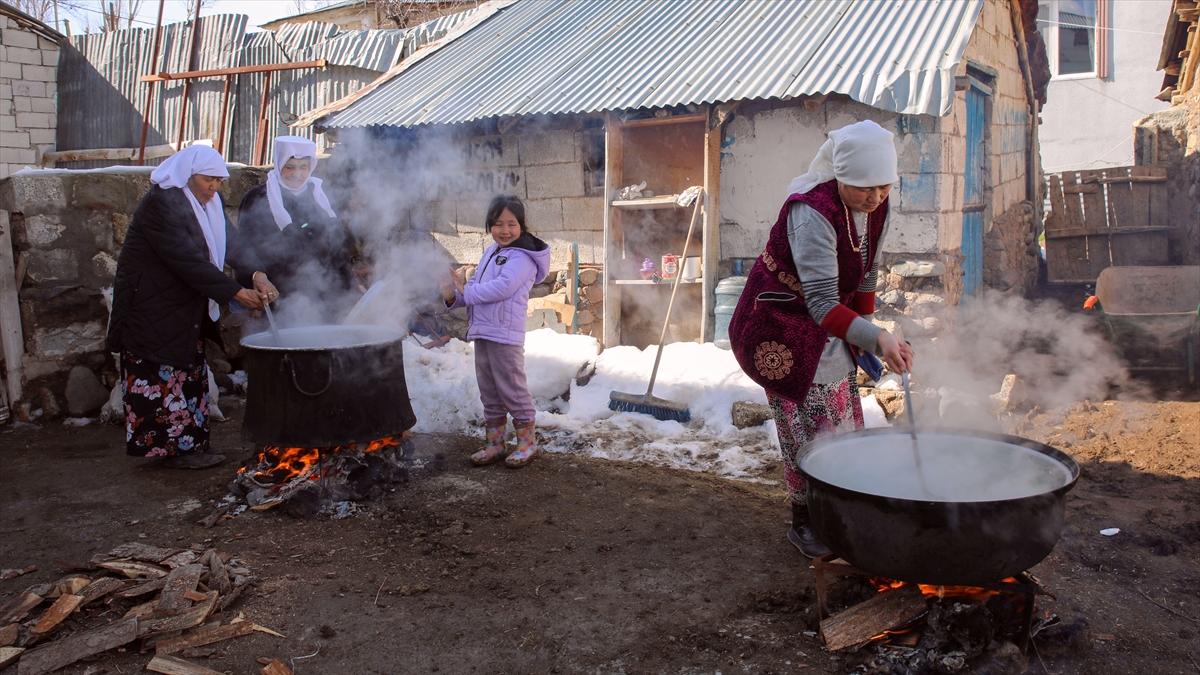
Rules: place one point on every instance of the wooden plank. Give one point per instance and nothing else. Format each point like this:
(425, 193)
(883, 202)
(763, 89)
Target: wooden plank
(189, 619)
(12, 341)
(152, 586)
(1150, 247)
(70, 585)
(142, 611)
(9, 635)
(9, 656)
(573, 285)
(105, 154)
(218, 576)
(67, 650)
(100, 588)
(1057, 218)
(57, 613)
(134, 570)
(240, 70)
(7, 574)
(1081, 232)
(1160, 214)
(18, 607)
(710, 232)
(659, 121)
(1095, 218)
(276, 667)
(177, 584)
(1064, 259)
(171, 665)
(1072, 204)
(858, 624)
(204, 636)
(195, 596)
(144, 552)
(614, 144)
(181, 558)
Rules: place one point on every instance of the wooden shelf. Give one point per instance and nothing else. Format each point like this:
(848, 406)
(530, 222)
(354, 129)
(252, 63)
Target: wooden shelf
(646, 203)
(666, 283)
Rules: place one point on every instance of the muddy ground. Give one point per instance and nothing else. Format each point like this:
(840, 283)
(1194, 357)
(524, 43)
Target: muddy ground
(580, 565)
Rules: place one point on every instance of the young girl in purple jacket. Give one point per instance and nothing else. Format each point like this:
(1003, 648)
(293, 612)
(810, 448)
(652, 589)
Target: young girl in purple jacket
(496, 298)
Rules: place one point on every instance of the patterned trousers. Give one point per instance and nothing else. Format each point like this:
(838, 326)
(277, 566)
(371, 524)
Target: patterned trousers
(827, 408)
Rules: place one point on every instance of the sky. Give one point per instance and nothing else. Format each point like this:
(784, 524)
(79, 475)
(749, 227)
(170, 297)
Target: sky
(259, 11)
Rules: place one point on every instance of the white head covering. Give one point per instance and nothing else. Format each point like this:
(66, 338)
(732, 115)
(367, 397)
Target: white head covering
(287, 147)
(175, 173)
(862, 154)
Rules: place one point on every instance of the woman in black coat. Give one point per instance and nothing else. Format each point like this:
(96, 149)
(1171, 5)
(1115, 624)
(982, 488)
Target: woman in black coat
(287, 228)
(166, 298)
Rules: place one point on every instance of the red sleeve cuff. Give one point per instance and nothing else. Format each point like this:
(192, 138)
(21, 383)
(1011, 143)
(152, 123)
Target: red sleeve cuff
(838, 320)
(863, 303)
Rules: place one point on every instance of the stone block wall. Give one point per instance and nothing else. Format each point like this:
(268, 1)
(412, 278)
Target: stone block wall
(68, 227)
(28, 96)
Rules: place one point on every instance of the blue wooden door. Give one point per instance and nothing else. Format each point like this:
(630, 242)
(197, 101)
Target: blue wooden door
(976, 186)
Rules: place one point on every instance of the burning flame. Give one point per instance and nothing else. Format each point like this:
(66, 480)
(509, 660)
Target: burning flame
(287, 463)
(975, 593)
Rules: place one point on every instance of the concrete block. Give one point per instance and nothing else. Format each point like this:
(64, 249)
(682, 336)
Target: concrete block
(15, 37)
(45, 44)
(39, 73)
(547, 147)
(22, 104)
(35, 120)
(28, 88)
(58, 265)
(583, 213)
(491, 150)
(554, 180)
(20, 156)
(919, 192)
(6, 91)
(912, 233)
(544, 215)
(10, 70)
(40, 231)
(34, 193)
(45, 105)
(14, 139)
(52, 90)
(8, 123)
(50, 58)
(463, 248)
(22, 55)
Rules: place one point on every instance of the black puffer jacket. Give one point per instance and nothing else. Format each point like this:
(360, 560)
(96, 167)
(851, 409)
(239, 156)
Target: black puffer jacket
(164, 282)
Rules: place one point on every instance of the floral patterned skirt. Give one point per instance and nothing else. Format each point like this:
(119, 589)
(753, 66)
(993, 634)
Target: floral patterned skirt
(828, 408)
(166, 408)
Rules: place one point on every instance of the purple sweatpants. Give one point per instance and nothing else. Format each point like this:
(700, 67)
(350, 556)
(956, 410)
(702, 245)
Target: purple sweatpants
(500, 370)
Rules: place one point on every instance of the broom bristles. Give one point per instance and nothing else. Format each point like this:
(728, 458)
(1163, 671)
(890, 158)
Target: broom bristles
(658, 408)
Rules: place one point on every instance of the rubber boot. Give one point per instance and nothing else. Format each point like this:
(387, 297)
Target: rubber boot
(527, 447)
(801, 534)
(495, 448)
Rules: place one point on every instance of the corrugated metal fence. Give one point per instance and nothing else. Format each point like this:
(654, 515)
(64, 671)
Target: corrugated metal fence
(101, 99)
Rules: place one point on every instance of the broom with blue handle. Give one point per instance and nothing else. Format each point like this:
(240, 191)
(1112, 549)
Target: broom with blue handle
(648, 403)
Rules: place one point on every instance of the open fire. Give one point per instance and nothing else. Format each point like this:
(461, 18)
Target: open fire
(308, 481)
(891, 626)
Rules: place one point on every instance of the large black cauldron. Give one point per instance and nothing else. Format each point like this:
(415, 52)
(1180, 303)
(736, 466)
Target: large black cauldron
(983, 507)
(322, 386)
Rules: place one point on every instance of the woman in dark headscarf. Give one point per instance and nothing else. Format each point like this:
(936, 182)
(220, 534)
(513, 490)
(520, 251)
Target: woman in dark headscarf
(166, 296)
(288, 229)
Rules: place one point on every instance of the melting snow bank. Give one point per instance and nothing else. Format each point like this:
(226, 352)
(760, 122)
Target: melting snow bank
(575, 418)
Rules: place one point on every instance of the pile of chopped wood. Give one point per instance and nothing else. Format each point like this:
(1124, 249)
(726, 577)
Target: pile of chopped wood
(166, 598)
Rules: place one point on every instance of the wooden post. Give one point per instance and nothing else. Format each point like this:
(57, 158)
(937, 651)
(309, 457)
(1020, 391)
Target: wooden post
(187, 84)
(224, 114)
(573, 288)
(260, 145)
(150, 89)
(711, 238)
(613, 159)
(10, 313)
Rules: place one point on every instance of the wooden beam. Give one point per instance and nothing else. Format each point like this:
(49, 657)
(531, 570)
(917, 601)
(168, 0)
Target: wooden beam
(614, 157)
(659, 121)
(710, 254)
(240, 70)
(206, 635)
(76, 646)
(170, 665)
(106, 154)
(862, 622)
(12, 339)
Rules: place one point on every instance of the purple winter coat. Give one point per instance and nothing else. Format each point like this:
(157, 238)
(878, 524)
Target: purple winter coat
(497, 296)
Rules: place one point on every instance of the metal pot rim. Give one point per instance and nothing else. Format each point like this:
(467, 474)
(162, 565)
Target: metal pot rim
(1054, 453)
(377, 336)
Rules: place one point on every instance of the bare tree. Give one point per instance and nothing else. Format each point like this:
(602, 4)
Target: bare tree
(191, 7)
(120, 14)
(46, 10)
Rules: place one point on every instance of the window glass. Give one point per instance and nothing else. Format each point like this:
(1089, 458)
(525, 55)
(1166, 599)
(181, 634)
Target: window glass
(1076, 36)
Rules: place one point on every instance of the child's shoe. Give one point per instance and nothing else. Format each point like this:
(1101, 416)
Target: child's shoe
(527, 447)
(495, 448)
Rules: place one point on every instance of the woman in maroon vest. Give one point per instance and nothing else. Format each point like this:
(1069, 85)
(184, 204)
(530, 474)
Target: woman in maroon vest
(799, 326)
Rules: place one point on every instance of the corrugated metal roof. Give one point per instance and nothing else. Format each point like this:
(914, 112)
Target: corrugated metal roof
(580, 56)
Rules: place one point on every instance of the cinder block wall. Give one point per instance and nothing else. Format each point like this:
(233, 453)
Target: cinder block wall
(28, 96)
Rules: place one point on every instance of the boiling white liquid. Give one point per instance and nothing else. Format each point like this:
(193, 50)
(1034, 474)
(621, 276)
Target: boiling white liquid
(956, 468)
(323, 337)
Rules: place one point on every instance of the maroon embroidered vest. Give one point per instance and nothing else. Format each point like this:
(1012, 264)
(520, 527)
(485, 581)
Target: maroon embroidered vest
(774, 338)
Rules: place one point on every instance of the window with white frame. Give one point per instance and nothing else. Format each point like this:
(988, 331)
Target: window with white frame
(1070, 29)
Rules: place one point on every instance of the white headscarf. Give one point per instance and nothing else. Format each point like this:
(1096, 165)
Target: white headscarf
(862, 154)
(175, 173)
(287, 147)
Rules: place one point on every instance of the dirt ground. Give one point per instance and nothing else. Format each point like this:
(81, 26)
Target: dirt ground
(580, 565)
